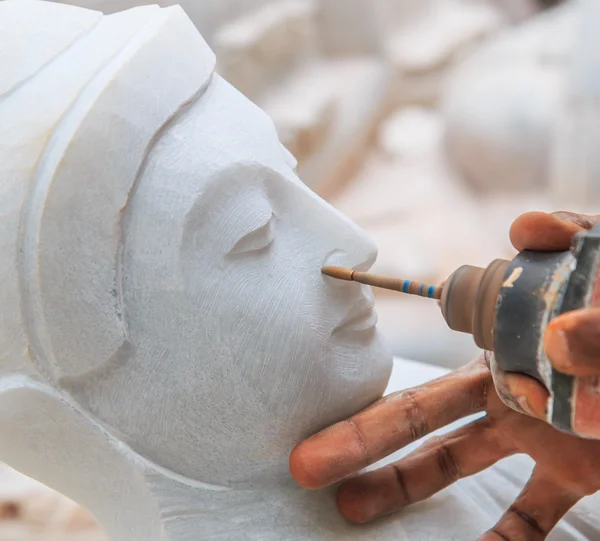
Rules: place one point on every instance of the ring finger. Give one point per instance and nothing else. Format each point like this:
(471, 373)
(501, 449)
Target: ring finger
(435, 465)
(535, 512)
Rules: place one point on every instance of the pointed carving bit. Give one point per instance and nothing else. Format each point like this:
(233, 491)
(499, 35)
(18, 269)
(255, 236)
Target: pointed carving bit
(385, 282)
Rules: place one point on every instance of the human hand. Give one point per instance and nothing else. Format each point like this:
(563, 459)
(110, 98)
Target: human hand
(571, 341)
(559, 480)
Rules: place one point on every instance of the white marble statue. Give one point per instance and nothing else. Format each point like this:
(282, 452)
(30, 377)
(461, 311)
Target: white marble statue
(166, 336)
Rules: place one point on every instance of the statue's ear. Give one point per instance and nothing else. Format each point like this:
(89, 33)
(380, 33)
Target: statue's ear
(85, 184)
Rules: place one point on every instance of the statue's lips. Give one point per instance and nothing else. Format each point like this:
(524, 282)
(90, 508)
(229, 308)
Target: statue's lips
(359, 320)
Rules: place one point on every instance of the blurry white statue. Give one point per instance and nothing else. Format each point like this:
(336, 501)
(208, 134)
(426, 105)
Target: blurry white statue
(501, 104)
(522, 112)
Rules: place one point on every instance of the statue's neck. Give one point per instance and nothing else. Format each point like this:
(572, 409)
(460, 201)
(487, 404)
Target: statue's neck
(135, 500)
(271, 514)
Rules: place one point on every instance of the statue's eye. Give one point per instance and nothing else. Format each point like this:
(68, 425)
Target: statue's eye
(258, 239)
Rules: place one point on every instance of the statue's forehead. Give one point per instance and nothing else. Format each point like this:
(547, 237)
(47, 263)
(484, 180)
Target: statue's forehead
(216, 148)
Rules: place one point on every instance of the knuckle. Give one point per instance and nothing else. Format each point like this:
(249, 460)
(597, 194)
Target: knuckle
(360, 440)
(585, 220)
(528, 521)
(415, 417)
(447, 461)
(498, 536)
(402, 485)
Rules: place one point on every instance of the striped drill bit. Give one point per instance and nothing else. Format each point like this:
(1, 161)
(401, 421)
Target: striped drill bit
(385, 282)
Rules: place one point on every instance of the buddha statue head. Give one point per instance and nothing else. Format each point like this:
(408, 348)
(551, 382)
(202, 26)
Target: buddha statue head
(163, 270)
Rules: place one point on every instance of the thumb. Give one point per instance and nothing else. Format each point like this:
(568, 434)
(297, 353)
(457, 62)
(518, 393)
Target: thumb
(546, 232)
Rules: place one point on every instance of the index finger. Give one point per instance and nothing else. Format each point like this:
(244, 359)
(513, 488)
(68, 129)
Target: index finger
(390, 424)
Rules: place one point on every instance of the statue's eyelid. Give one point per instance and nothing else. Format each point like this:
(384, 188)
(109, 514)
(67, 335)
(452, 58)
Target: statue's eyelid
(259, 238)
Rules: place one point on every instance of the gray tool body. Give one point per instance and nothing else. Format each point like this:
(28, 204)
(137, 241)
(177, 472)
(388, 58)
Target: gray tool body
(508, 306)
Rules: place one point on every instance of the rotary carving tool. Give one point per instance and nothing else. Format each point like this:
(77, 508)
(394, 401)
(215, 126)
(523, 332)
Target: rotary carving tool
(508, 306)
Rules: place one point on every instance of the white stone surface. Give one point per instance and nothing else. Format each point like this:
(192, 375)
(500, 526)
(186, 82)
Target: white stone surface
(305, 109)
(411, 133)
(429, 39)
(29, 511)
(500, 127)
(356, 27)
(325, 104)
(574, 161)
(442, 31)
(519, 10)
(263, 46)
(502, 104)
(360, 89)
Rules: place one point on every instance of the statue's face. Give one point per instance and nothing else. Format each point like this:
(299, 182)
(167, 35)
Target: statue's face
(240, 346)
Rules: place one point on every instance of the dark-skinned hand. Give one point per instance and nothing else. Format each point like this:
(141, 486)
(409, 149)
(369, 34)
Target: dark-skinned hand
(567, 467)
(572, 340)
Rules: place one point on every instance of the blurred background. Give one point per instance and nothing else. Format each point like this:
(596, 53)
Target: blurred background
(431, 123)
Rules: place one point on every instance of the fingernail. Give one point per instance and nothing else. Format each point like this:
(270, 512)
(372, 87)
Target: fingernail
(528, 395)
(583, 221)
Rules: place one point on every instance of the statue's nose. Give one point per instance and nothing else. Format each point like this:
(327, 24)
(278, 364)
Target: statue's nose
(356, 261)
